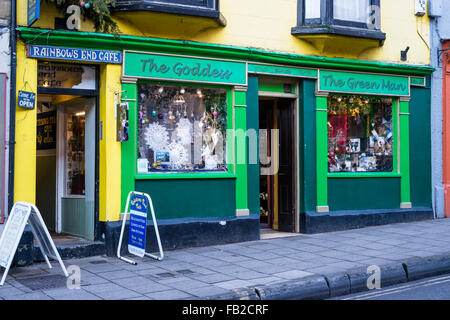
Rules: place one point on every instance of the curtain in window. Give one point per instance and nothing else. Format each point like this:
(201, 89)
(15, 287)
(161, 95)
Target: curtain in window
(351, 10)
(312, 9)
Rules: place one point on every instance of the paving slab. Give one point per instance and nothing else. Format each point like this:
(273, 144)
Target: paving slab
(336, 260)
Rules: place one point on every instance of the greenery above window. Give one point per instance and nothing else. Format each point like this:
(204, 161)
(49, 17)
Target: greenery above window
(98, 11)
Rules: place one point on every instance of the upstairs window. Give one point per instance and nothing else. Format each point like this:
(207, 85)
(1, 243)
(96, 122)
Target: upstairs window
(353, 11)
(357, 18)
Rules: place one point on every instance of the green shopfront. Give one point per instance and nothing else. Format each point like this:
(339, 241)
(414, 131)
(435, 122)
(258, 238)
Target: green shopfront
(226, 139)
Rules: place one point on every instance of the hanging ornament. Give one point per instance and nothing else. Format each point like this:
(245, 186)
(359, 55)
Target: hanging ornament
(160, 116)
(154, 113)
(87, 5)
(82, 4)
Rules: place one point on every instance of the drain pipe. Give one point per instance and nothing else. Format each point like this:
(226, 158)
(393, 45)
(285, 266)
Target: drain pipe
(12, 107)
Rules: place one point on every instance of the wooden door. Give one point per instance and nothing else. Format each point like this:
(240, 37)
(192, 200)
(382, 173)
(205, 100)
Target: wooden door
(286, 173)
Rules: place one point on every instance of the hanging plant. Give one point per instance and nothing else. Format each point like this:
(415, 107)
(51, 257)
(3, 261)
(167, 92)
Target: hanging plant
(98, 11)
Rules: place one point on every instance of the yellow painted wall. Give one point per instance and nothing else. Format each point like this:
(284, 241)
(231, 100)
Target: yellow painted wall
(110, 149)
(25, 147)
(267, 24)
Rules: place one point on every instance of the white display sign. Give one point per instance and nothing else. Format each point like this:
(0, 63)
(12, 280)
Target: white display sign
(21, 213)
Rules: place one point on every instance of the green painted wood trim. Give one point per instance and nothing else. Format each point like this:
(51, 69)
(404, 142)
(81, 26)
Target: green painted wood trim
(253, 170)
(274, 87)
(322, 151)
(395, 136)
(405, 188)
(240, 98)
(240, 123)
(113, 42)
(128, 163)
(364, 175)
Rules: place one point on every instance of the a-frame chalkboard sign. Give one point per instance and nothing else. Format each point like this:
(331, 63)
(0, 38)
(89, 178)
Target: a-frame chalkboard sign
(21, 213)
(138, 203)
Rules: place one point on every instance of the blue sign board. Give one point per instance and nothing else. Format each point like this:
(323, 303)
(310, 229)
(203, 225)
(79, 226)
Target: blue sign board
(138, 225)
(33, 11)
(26, 99)
(74, 54)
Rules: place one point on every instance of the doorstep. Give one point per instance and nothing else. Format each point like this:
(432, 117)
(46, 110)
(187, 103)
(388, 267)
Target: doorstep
(72, 247)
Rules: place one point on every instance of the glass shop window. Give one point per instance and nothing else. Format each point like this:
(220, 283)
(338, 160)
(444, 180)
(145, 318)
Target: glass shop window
(181, 129)
(360, 134)
(75, 164)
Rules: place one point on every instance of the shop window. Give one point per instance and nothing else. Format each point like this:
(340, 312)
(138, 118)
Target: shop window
(360, 134)
(356, 18)
(181, 129)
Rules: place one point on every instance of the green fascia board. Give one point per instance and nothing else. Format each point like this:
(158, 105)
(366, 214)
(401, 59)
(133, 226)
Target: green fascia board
(126, 42)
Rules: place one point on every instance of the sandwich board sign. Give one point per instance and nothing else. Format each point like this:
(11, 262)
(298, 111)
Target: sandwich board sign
(138, 203)
(21, 213)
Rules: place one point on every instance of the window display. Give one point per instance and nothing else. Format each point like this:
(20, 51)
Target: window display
(181, 129)
(75, 165)
(360, 134)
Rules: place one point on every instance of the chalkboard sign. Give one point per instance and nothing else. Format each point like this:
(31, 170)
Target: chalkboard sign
(21, 213)
(46, 130)
(138, 203)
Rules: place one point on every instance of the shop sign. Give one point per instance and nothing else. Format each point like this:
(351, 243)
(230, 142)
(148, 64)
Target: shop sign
(282, 70)
(182, 68)
(33, 11)
(46, 130)
(363, 83)
(26, 99)
(76, 54)
(138, 225)
(418, 81)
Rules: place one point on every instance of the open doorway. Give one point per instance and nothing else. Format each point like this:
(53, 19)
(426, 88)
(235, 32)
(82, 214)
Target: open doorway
(65, 166)
(278, 169)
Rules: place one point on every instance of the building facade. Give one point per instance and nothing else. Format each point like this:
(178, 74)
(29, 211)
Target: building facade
(304, 116)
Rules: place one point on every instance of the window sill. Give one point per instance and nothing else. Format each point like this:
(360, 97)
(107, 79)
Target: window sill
(333, 175)
(339, 39)
(177, 9)
(183, 176)
(338, 30)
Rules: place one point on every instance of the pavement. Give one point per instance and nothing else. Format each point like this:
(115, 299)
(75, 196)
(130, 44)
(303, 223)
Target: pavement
(318, 266)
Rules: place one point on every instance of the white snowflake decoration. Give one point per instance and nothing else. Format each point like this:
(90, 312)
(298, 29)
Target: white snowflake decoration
(178, 155)
(184, 131)
(156, 137)
(210, 159)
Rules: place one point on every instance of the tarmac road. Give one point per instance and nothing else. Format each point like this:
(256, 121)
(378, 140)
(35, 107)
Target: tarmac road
(435, 288)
